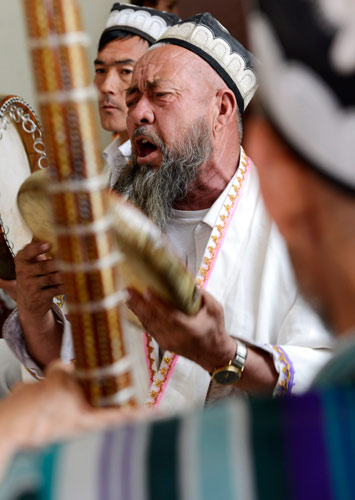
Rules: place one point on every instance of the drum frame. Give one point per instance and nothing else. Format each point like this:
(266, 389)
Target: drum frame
(15, 110)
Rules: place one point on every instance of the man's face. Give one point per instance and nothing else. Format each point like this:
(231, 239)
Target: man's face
(113, 73)
(165, 97)
(169, 125)
(156, 190)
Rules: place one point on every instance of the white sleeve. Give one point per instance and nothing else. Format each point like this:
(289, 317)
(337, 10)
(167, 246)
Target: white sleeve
(295, 366)
(302, 347)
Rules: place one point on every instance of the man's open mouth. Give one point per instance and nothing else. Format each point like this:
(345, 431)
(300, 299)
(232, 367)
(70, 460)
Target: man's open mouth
(145, 147)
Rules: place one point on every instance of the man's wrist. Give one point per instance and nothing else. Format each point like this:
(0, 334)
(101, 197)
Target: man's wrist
(42, 337)
(37, 322)
(232, 371)
(221, 358)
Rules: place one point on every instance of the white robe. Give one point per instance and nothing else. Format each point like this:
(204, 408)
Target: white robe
(247, 269)
(251, 276)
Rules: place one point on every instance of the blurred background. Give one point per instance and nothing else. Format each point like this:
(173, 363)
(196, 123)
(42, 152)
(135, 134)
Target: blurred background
(15, 74)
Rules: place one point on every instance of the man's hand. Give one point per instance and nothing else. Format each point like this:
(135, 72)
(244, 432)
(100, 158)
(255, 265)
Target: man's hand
(38, 281)
(201, 338)
(37, 413)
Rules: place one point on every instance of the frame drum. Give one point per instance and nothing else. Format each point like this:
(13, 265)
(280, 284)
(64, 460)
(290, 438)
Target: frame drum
(22, 151)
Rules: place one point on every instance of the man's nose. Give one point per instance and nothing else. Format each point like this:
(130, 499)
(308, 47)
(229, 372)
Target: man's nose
(111, 83)
(141, 112)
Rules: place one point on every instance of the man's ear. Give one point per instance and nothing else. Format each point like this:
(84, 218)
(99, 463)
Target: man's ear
(225, 109)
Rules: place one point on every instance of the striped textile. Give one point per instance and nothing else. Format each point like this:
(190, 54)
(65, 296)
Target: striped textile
(295, 448)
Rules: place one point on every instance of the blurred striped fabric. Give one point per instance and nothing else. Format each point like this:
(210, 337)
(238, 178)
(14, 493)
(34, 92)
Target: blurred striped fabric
(296, 448)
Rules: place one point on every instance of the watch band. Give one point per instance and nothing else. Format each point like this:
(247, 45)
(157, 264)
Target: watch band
(240, 356)
(232, 373)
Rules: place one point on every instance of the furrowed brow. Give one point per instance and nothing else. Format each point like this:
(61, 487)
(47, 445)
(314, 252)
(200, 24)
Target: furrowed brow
(153, 85)
(148, 85)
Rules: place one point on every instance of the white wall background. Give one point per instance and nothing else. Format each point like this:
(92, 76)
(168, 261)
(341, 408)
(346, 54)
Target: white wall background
(15, 69)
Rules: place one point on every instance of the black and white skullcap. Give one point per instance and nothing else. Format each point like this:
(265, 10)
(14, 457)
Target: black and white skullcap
(206, 36)
(307, 79)
(145, 22)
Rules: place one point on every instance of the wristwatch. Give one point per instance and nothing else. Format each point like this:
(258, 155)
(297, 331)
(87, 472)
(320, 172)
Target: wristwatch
(231, 373)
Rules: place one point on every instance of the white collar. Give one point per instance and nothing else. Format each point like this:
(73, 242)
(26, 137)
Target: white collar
(112, 147)
(212, 215)
(115, 144)
(126, 148)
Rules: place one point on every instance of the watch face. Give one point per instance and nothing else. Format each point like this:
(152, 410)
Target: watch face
(226, 377)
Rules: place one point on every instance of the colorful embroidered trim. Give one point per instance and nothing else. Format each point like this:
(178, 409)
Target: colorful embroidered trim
(160, 379)
(220, 230)
(287, 372)
(59, 300)
(149, 357)
(33, 373)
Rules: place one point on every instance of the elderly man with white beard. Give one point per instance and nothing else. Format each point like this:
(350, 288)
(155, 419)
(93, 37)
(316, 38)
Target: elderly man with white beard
(190, 175)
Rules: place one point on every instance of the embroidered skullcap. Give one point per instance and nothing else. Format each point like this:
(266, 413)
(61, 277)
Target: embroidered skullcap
(206, 36)
(307, 79)
(145, 22)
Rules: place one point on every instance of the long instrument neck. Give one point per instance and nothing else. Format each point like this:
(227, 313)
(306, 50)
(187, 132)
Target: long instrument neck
(88, 250)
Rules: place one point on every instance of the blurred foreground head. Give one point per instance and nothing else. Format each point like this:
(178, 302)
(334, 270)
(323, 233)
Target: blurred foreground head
(304, 142)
